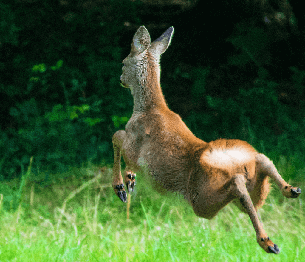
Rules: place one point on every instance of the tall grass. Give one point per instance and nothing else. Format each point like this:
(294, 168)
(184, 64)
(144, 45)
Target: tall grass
(81, 219)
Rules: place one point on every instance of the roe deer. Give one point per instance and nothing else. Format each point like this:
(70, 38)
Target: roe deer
(209, 175)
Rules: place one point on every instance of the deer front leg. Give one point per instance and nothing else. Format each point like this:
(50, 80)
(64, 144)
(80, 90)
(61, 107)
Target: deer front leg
(117, 182)
(130, 180)
(264, 165)
(239, 189)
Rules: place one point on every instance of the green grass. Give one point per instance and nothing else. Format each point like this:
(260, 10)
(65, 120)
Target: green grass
(77, 220)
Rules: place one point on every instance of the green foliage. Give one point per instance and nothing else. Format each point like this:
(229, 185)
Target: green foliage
(253, 114)
(298, 78)
(59, 134)
(12, 198)
(62, 100)
(8, 28)
(92, 225)
(198, 89)
(119, 121)
(251, 41)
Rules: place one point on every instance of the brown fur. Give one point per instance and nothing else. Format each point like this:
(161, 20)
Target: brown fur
(209, 175)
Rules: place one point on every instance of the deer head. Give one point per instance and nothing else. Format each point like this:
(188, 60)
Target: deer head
(143, 61)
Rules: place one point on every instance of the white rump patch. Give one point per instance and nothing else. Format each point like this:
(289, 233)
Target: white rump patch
(225, 157)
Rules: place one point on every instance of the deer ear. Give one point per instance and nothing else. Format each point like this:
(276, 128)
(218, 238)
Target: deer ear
(141, 40)
(160, 45)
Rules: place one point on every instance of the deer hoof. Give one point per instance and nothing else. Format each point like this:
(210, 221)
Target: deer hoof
(295, 192)
(120, 191)
(275, 249)
(130, 181)
(291, 192)
(269, 246)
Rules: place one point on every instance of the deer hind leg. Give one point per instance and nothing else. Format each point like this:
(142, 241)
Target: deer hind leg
(265, 166)
(258, 194)
(239, 190)
(117, 182)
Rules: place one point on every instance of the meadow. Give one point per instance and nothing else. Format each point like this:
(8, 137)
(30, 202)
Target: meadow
(79, 218)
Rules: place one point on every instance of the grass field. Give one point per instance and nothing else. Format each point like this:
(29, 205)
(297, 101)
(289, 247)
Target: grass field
(80, 219)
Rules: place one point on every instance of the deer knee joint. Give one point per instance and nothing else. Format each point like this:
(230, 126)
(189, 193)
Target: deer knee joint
(118, 137)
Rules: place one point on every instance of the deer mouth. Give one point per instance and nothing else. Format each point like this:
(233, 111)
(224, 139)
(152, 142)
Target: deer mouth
(123, 84)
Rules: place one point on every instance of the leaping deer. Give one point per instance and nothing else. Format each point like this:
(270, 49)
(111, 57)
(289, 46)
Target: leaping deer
(209, 175)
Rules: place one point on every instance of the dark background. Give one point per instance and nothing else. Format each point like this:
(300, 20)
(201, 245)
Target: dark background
(235, 69)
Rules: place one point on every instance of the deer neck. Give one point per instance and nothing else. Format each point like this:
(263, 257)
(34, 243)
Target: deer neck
(148, 94)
